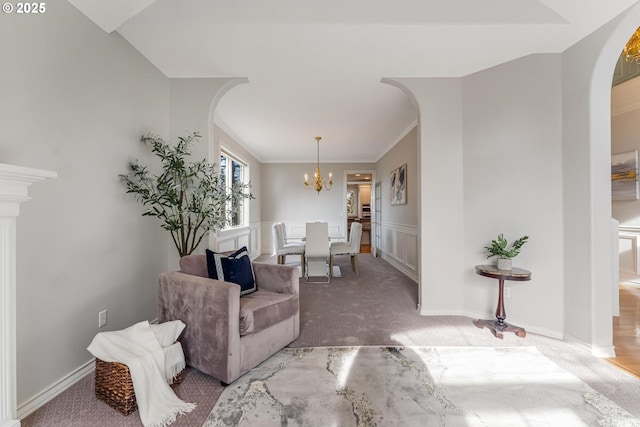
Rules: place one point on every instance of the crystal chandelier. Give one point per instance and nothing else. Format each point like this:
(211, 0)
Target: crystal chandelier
(318, 180)
(631, 51)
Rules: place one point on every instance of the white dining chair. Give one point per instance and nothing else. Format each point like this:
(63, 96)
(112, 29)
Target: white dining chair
(317, 252)
(281, 248)
(351, 248)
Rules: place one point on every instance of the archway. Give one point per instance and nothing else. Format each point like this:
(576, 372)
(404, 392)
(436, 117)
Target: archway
(587, 70)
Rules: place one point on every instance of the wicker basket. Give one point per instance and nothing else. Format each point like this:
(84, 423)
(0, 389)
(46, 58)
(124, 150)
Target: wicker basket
(115, 388)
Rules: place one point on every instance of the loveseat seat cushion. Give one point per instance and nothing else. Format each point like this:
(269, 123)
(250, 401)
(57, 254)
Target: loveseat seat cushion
(261, 309)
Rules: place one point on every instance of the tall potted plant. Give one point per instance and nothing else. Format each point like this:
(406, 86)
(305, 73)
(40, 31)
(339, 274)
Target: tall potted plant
(190, 198)
(504, 253)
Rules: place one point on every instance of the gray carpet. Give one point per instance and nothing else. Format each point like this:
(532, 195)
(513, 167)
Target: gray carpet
(376, 308)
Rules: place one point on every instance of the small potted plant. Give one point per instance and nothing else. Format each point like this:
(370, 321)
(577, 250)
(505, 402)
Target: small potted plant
(499, 248)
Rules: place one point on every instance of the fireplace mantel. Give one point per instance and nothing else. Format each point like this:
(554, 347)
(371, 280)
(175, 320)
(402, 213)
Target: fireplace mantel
(14, 184)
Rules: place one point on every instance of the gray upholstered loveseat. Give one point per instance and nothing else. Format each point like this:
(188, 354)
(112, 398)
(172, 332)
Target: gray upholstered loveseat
(227, 335)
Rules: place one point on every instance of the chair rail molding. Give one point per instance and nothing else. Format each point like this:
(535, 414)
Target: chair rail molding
(14, 183)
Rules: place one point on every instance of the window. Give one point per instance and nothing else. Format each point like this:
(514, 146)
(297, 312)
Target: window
(233, 172)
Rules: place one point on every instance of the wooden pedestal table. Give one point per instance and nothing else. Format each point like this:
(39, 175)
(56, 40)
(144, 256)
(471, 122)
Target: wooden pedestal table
(499, 326)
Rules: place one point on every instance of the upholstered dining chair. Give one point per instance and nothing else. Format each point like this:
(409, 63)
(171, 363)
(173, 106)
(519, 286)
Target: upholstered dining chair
(351, 248)
(317, 251)
(281, 248)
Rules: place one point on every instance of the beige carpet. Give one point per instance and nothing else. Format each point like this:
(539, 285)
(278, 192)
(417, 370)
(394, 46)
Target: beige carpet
(413, 386)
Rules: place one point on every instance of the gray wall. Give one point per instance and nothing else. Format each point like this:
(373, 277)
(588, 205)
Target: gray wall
(405, 151)
(440, 153)
(400, 224)
(284, 197)
(587, 68)
(192, 104)
(76, 100)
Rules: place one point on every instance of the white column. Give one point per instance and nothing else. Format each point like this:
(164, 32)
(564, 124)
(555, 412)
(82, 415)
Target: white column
(14, 183)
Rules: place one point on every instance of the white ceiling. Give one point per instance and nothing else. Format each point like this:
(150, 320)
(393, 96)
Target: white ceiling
(314, 67)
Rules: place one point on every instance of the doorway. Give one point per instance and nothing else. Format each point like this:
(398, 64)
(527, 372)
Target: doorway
(625, 209)
(360, 206)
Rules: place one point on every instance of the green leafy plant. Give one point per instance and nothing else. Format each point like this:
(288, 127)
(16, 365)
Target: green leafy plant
(499, 247)
(190, 198)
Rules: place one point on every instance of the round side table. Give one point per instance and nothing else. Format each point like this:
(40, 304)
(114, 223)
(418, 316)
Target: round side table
(499, 326)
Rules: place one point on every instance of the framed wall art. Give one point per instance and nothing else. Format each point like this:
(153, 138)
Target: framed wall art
(624, 176)
(399, 185)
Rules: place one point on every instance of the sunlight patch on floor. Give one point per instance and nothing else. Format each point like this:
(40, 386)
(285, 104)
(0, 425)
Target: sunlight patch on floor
(345, 370)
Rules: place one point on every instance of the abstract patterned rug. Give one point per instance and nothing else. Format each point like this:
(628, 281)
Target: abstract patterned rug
(413, 386)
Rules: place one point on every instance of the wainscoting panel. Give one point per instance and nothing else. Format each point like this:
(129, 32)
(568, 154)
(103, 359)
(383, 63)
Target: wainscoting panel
(411, 259)
(400, 248)
(236, 238)
(628, 253)
(255, 240)
(628, 238)
(299, 230)
(295, 231)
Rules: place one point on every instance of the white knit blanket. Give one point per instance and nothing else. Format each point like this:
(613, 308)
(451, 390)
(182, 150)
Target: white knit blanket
(146, 349)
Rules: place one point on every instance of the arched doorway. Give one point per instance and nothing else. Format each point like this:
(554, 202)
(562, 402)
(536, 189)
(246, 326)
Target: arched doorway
(587, 70)
(625, 113)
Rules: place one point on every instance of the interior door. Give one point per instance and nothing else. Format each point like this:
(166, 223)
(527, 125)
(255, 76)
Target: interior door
(376, 240)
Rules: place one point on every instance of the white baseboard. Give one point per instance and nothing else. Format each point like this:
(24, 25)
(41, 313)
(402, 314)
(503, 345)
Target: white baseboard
(603, 352)
(36, 402)
(10, 423)
(536, 329)
(596, 351)
(31, 405)
(428, 312)
(411, 274)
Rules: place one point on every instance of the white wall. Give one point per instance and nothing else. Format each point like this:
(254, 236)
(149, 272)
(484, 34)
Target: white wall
(513, 185)
(76, 100)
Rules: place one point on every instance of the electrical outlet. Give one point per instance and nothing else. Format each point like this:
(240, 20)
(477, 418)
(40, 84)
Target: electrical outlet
(507, 292)
(102, 318)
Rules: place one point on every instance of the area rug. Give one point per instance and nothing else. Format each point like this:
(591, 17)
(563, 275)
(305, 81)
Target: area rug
(413, 386)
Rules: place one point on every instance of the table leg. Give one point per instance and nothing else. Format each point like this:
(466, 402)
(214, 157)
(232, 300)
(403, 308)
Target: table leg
(499, 326)
(500, 312)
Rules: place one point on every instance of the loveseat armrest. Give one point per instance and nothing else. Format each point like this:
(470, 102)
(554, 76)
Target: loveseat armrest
(277, 278)
(211, 310)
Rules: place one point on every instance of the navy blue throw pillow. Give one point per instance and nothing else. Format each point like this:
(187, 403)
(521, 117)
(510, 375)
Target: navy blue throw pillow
(235, 268)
